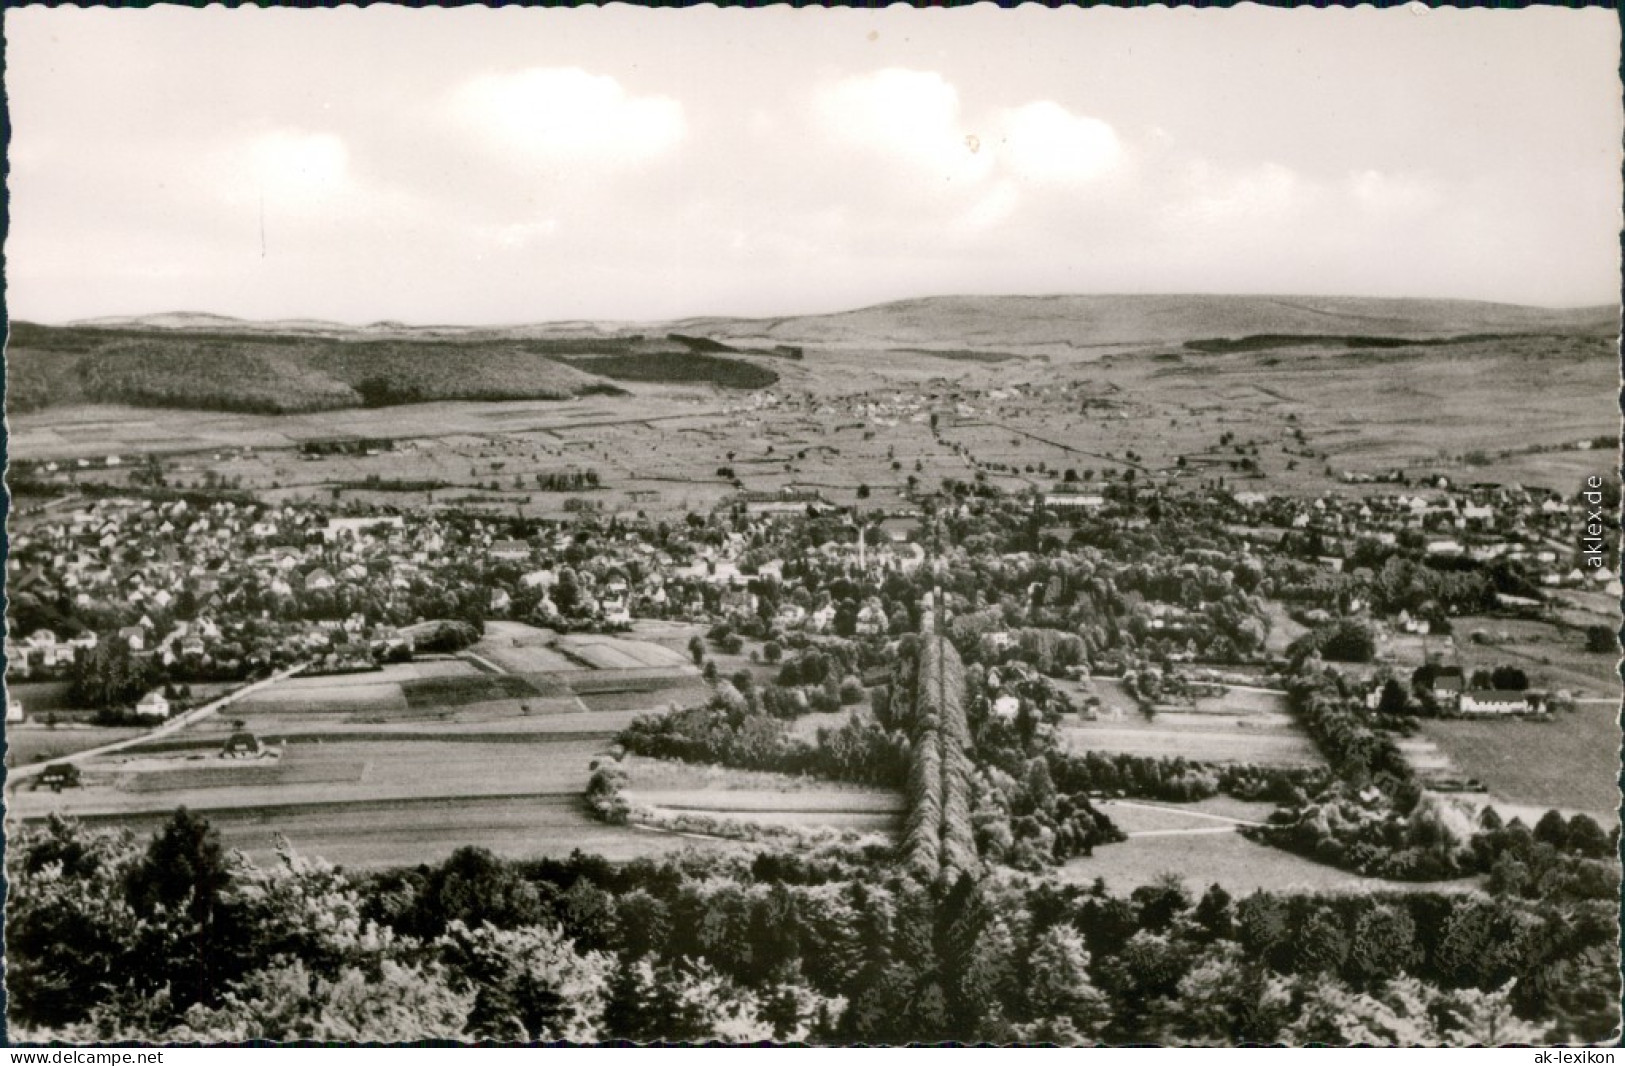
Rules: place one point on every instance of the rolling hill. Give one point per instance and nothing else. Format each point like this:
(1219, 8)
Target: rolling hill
(212, 362)
(216, 365)
(1005, 323)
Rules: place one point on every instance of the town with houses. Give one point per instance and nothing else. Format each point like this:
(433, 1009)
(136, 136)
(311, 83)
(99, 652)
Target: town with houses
(228, 590)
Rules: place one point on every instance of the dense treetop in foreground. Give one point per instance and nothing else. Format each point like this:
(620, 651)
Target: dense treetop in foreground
(178, 941)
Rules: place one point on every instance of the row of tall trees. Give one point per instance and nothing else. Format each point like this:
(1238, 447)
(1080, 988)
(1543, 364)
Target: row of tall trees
(938, 839)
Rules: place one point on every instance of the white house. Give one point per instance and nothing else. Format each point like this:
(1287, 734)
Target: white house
(152, 705)
(1072, 501)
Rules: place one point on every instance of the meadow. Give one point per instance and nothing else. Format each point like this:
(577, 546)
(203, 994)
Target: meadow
(1223, 858)
(1553, 657)
(1570, 762)
(671, 788)
(376, 835)
(1242, 726)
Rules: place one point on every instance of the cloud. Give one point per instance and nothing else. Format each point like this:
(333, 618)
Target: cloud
(909, 116)
(1043, 141)
(927, 160)
(567, 115)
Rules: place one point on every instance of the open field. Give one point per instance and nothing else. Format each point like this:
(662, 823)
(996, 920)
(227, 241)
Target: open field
(323, 771)
(246, 774)
(616, 653)
(403, 764)
(31, 742)
(494, 723)
(1248, 702)
(409, 832)
(643, 701)
(1553, 657)
(1205, 736)
(1570, 762)
(1586, 607)
(440, 692)
(1242, 726)
(523, 649)
(347, 694)
(40, 698)
(671, 787)
(1136, 817)
(1225, 858)
(807, 726)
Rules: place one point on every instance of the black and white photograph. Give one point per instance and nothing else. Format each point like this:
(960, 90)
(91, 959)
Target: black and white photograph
(837, 527)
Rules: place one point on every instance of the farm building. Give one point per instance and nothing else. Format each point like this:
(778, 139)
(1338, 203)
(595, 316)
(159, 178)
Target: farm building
(14, 710)
(1493, 701)
(59, 776)
(1448, 685)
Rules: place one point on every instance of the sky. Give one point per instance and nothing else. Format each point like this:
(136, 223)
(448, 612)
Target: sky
(523, 165)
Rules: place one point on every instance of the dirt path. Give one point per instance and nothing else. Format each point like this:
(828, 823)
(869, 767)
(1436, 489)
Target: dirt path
(1172, 809)
(1183, 832)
